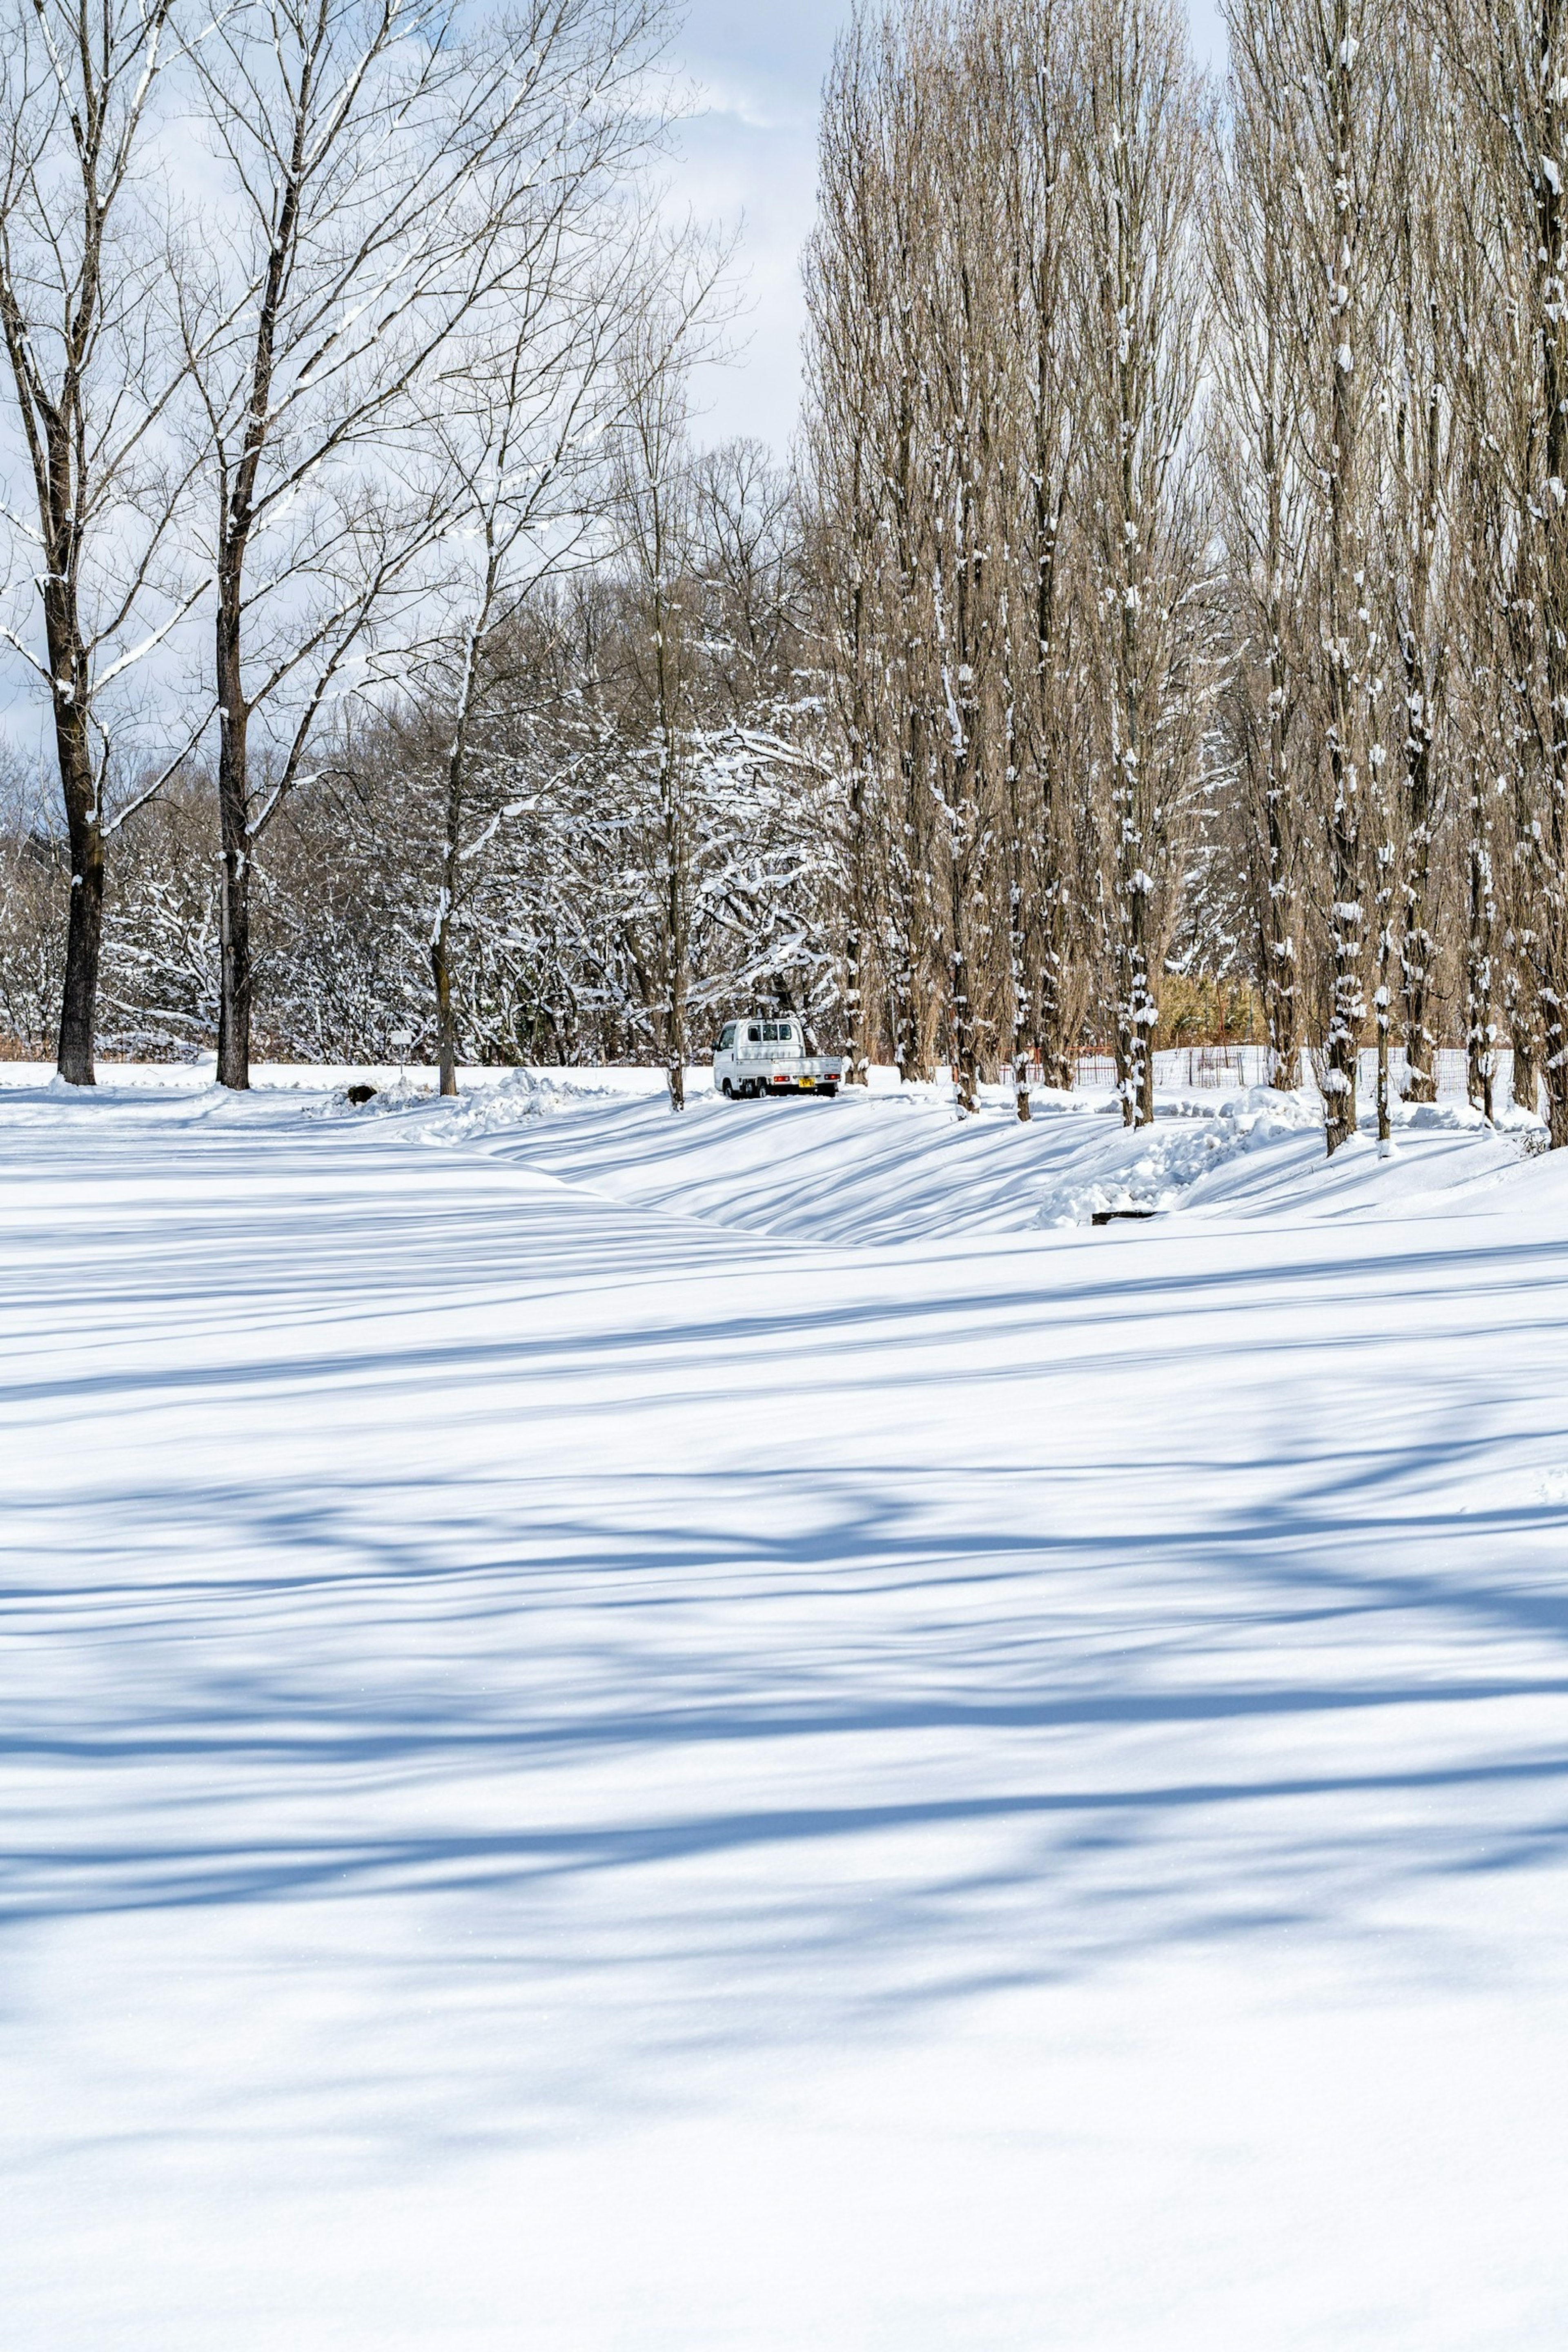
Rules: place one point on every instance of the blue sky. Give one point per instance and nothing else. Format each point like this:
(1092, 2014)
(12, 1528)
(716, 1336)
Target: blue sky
(749, 157)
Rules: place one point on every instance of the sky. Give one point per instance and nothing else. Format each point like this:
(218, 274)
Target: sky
(749, 158)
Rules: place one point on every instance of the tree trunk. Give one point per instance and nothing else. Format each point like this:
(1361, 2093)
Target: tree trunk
(1418, 947)
(81, 785)
(446, 1023)
(965, 974)
(84, 929)
(1018, 991)
(234, 1001)
(1551, 947)
(1135, 1011)
(675, 917)
(1281, 1004)
(910, 911)
(1382, 1003)
(235, 980)
(84, 829)
(451, 874)
(1281, 1013)
(1146, 1099)
(1519, 1008)
(965, 1056)
(857, 895)
(1344, 1041)
(1047, 995)
(1058, 1040)
(1021, 996)
(1345, 624)
(1382, 994)
(1481, 1031)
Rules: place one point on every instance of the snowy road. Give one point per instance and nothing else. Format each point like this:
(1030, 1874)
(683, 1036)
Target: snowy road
(597, 1755)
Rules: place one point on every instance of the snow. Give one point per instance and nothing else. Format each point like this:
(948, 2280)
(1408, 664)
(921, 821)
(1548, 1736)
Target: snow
(897, 1165)
(628, 1731)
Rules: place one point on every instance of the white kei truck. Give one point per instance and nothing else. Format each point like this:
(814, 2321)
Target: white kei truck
(766, 1055)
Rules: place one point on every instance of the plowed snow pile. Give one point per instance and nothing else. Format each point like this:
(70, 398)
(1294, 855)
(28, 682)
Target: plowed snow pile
(738, 1732)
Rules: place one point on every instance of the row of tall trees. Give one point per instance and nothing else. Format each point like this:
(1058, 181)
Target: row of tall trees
(1006, 292)
(1189, 475)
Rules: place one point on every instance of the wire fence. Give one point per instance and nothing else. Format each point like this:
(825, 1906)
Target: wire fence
(1450, 1069)
(1231, 1069)
(1178, 1067)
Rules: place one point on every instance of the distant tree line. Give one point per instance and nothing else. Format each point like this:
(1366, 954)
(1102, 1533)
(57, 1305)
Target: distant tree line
(1172, 578)
(542, 886)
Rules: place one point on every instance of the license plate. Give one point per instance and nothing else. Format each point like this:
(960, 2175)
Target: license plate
(805, 1085)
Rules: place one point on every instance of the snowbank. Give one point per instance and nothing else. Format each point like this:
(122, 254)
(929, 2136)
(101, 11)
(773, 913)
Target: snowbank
(903, 1165)
(880, 1165)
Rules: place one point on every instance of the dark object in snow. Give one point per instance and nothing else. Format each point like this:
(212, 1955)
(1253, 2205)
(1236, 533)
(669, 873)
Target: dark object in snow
(1114, 1217)
(358, 1095)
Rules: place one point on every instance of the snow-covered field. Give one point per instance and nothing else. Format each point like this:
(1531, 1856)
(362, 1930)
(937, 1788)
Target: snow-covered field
(742, 1732)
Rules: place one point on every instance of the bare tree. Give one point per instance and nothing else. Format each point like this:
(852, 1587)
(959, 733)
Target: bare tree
(1255, 448)
(1030, 66)
(94, 381)
(1143, 174)
(1419, 539)
(1336, 56)
(388, 180)
(1479, 325)
(655, 498)
(521, 427)
(511, 492)
(844, 265)
(1508, 63)
(869, 435)
(968, 384)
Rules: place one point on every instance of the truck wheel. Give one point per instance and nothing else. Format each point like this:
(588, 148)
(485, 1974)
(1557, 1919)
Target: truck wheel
(728, 1091)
